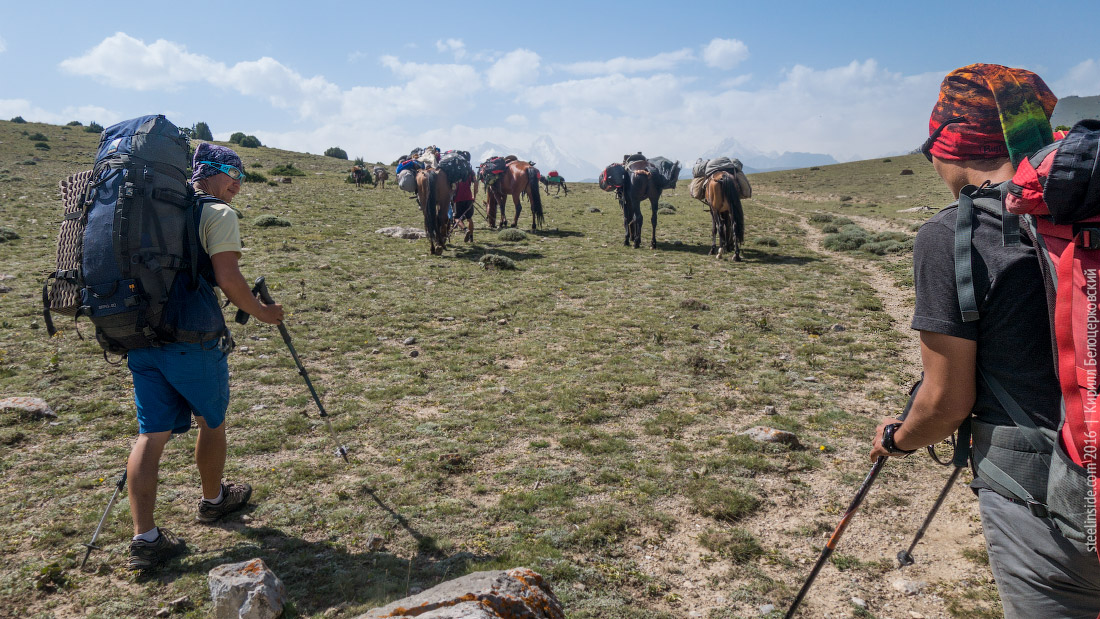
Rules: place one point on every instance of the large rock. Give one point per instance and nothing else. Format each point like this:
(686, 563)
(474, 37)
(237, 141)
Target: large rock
(518, 592)
(401, 232)
(246, 590)
(762, 434)
(27, 407)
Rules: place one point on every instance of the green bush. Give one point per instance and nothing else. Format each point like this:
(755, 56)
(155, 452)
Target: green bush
(38, 137)
(7, 234)
(830, 228)
(18, 120)
(843, 221)
(201, 131)
(264, 221)
(336, 153)
(42, 146)
(512, 234)
(236, 138)
(254, 177)
(74, 123)
(666, 211)
(250, 141)
(493, 261)
(286, 170)
(767, 241)
(359, 162)
(93, 127)
(821, 217)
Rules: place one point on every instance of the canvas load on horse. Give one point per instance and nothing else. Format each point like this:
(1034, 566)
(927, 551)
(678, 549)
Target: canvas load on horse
(380, 176)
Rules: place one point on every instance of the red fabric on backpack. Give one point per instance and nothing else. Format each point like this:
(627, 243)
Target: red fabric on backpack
(1076, 313)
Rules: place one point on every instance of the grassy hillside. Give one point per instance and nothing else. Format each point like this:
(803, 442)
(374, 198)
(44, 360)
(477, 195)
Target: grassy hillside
(578, 415)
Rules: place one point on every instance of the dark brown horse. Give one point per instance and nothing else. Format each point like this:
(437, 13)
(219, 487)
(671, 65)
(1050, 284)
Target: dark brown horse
(639, 180)
(557, 181)
(359, 174)
(380, 176)
(726, 214)
(517, 178)
(433, 194)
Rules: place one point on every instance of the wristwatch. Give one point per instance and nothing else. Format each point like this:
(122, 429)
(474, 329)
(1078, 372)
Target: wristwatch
(888, 440)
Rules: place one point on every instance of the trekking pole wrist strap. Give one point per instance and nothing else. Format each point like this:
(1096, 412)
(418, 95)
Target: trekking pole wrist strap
(888, 441)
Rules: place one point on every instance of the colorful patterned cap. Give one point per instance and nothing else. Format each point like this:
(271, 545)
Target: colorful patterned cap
(1007, 113)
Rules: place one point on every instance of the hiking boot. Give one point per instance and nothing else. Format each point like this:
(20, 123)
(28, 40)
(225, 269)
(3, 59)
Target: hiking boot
(234, 497)
(145, 555)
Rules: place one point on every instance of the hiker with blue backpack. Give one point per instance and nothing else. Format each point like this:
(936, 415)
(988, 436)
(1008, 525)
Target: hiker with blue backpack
(176, 381)
(982, 289)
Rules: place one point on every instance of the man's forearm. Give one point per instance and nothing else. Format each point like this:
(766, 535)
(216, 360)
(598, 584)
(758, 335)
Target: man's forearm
(931, 419)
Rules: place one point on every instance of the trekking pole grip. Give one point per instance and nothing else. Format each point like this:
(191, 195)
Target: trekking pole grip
(258, 289)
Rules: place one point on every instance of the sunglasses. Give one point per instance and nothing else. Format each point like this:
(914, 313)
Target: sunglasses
(926, 148)
(232, 172)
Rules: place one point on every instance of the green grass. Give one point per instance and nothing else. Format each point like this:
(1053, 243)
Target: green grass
(593, 395)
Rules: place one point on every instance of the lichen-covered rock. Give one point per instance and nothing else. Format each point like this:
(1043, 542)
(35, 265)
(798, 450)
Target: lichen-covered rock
(246, 590)
(27, 407)
(401, 232)
(513, 594)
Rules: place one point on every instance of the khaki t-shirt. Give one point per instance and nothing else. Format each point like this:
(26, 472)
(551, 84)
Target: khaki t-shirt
(219, 229)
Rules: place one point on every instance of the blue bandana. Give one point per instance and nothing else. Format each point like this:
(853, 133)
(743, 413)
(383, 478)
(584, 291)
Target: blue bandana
(218, 154)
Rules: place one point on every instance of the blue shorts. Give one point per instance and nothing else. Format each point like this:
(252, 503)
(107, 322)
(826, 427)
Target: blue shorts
(174, 381)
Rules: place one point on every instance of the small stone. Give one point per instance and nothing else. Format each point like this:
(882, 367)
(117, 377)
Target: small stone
(180, 603)
(27, 407)
(838, 328)
(247, 589)
(505, 391)
(769, 410)
(447, 319)
(579, 586)
(246, 519)
(519, 331)
(4, 288)
(688, 584)
(409, 341)
(374, 351)
(164, 612)
(766, 609)
(502, 321)
(414, 353)
(915, 615)
(415, 590)
(375, 542)
(909, 587)
(259, 407)
(810, 379)
(762, 434)
(593, 209)
(860, 602)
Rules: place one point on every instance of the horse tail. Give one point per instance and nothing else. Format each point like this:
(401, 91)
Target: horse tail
(733, 198)
(430, 219)
(533, 194)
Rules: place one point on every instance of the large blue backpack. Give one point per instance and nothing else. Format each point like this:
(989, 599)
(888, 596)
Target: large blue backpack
(129, 233)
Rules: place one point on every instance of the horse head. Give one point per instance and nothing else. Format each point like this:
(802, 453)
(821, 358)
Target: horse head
(613, 177)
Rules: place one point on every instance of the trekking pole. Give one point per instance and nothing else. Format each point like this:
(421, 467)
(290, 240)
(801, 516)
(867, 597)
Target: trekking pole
(91, 545)
(830, 546)
(260, 288)
(905, 557)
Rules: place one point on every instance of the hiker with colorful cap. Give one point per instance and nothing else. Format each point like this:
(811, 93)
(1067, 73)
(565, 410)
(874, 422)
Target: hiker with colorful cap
(181, 380)
(985, 338)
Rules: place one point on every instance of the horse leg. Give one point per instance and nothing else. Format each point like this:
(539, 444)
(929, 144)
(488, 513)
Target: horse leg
(653, 199)
(518, 206)
(636, 231)
(713, 233)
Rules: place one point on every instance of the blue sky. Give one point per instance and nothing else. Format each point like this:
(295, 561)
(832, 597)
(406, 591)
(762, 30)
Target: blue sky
(673, 78)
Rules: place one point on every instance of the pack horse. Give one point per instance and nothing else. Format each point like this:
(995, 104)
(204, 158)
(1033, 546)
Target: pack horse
(514, 178)
(634, 180)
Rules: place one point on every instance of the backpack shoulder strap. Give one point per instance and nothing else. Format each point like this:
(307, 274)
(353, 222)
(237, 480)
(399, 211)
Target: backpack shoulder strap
(964, 271)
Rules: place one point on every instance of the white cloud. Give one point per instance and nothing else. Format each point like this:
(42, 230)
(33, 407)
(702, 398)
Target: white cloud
(454, 46)
(630, 95)
(516, 120)
(725, 53)
(124, 60)
(665, 61)
(1082, 80)
(514, 70)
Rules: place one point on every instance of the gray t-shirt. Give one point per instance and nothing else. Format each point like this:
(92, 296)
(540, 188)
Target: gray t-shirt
(1013, 332)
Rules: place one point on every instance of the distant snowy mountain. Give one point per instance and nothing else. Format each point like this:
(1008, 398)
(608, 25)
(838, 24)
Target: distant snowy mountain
(758, 161)
(544, 153)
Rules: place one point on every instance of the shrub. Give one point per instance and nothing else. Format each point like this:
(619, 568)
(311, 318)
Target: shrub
(665, 205)
(493, 261)
(287, 169)
(42, 146)
(250, 141)
(236, 138)
(830, 228)
(847, 238)
(93, 127)
(264, 221)
(18, 120)
(512, 234)
(254, 177)
(74, 123)
(666, 211)
(201, 131)
(359, 162)
(821, 217)
(7, 234)
(738, 544)
(843, 221)
(887, 160)
(336, 153)
(38, 137)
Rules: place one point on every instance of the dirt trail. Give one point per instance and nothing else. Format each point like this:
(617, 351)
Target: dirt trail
(881, 529)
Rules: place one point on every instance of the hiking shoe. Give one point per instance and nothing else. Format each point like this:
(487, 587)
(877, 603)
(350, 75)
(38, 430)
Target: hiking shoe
(145, 555)
(234, 497)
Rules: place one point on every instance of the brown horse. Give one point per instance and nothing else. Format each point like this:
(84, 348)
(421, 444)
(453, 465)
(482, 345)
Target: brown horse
(726, 214)
(359, 174)
(380, 176)
(433, 194)
(519, 177)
